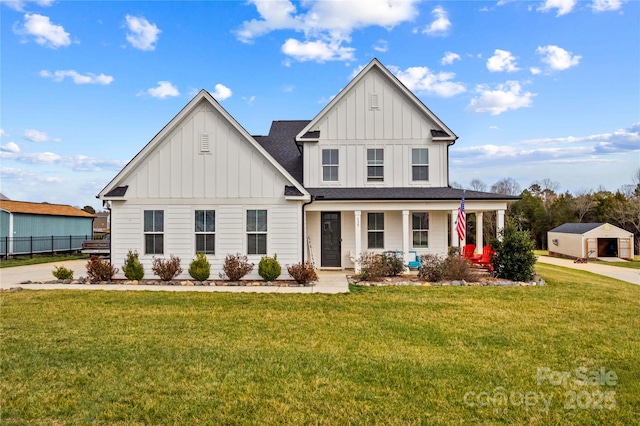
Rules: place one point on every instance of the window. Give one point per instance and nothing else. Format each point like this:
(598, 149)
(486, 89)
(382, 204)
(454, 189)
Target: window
(375, 228)
(329, 165)
(153, 231)
(256, 232)
(420, 227)
(205, 231)
(420, 163)
(375, 165)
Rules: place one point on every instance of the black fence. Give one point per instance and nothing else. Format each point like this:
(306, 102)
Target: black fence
(10, 246)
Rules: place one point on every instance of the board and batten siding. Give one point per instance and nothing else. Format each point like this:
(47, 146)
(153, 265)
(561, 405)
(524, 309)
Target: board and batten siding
(396, 126)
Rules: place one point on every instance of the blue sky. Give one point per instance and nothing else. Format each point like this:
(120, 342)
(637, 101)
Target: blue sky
(535, 90)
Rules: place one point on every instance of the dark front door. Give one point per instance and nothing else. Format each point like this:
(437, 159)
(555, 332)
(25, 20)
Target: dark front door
(330, 239)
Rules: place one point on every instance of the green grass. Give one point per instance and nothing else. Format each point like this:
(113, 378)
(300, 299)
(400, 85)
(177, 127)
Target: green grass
(37, 259)
(379, 355)
(633, 264)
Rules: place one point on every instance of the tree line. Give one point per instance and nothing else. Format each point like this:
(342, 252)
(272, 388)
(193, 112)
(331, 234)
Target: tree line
(542, 207)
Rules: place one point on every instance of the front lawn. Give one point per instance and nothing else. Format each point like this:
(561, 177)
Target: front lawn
(380, 355)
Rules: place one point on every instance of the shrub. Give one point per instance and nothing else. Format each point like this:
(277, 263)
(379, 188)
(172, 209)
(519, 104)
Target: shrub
(514, 258)
(132, 267)
(457, 267)
(269, 268)
(303, 272)
(62, 273)
(393, 264)
(100, 270)
(374, 266)
(432, 268)
(166, 269)
(200, 268)
(235, 267)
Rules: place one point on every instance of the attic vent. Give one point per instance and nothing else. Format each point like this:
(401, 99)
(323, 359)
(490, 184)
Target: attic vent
(374, 101)
(204, 142)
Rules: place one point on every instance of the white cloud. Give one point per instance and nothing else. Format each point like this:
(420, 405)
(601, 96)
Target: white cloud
(20, 4)
(10, 147)
(449, 57)
(563, 6)
(326, 25)
(557, 58)
(36, 136)
(78, 163)
(502, 60)
(142, 34)
(77, 78)
(606, 5)
(535, 70)
(221, 92)
(423, 80)
(505, 97)
(621, 140)
(381, 46)
(319, 50)
(3, 133)
(441, 23)
(164, 90)
(45, 33)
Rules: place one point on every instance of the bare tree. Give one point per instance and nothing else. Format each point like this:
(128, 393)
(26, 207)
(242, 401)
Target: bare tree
(477, 185)
(455, 185)
(506, 186)
(583, 203)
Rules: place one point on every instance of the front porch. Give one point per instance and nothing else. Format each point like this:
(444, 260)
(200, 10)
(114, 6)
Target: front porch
(338, 232)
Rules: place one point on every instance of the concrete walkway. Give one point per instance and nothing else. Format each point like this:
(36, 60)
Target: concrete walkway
(624, 274)
(330, 282)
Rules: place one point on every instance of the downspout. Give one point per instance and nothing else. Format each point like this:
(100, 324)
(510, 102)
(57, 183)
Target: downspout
(304, 224)
(107, 205)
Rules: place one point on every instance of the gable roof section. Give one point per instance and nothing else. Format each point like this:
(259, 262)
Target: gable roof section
(42, 208)
(576, 228)
(307, 134)
(115, 189)
(281, 144)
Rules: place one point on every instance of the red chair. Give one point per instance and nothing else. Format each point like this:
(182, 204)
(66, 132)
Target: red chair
(468, 251)
(484, 260)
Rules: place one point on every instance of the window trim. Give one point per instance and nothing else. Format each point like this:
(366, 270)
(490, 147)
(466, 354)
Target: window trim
(204, 232)
(256, 232)
(155, 232)
(375, 163)
(414, 230)
(331, 165)
(414, 165)
(376, 231)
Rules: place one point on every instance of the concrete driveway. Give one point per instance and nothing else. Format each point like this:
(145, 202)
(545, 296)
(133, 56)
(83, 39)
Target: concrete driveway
(623, 274)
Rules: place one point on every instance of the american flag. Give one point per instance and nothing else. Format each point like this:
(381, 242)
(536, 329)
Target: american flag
(461, 222)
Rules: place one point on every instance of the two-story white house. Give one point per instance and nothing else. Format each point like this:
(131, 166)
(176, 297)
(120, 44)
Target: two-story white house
(368, 173)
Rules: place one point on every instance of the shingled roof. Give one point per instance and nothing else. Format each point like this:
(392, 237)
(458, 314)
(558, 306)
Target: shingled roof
(576, 228)
(281, 145)
(403, 194)
(42, 208)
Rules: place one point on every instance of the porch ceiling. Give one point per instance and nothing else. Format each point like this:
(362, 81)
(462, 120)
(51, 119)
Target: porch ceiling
(404, 193)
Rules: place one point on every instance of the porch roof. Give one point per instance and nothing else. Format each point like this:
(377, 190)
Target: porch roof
(403, 193)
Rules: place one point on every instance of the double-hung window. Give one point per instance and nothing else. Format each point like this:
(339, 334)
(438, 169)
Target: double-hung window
(205, 230)
(375, 230)
(256, 232)
(420, 164)
(330, 165)
(420, 229)
(375, 165)
(154, 231)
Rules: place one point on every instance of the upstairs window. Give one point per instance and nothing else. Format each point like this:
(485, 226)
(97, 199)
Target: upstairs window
(420, 164)
(420, 229)
(205, 230)
(375, 230)
(375, 165)
(154, 231)
(330, 165)
(256, 232)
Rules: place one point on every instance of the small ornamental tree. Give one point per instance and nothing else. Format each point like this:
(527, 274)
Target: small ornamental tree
(132, 267)
(200, 268)
(235, 267)
(166, 269)
(269, 268)
(514, 258)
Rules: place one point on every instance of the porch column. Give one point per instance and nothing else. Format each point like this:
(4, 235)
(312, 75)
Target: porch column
(479, 237)
(499, 223)
(358, 250)
(405, 234)
(454, 235)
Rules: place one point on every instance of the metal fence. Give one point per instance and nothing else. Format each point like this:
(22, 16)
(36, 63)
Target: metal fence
(10, 246)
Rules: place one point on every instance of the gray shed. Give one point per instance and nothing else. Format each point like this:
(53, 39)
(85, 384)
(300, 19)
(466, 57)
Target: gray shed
(590, 240)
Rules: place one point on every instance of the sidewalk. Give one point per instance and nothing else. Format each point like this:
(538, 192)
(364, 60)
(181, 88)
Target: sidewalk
(624, 274)
(329, 282)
